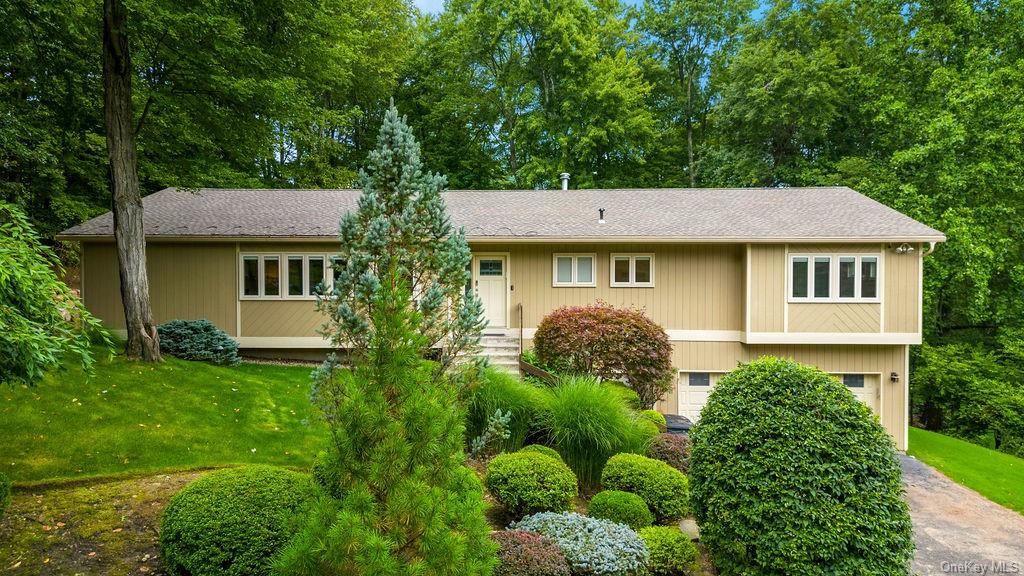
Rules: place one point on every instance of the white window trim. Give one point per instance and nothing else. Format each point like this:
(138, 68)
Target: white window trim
(833, 296)
(574, 283)
(632, 271)
(282, 259)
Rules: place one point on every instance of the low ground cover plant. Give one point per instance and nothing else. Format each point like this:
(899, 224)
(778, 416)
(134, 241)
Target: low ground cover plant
(622, 507)
(672, 552)
(662, 487)
(672, 449)
(528, 554)
(198, 340)
(233, 522)
(591, 546)
(825, 497)
(608, 342)
(529, 482)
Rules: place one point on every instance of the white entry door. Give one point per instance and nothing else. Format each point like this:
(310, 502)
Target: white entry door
(490, 280)
(694, 389)
(866, 387)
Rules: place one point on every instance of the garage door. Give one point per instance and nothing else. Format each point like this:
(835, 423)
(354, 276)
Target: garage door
(865, 387)
(694, 388)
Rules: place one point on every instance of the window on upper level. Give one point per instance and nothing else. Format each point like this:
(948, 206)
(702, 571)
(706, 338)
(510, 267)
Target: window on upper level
(573, 270)
(833, 278)
(632, 270)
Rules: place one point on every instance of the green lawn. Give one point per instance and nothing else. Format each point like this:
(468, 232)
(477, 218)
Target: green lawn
(995, 475)
(132, 417)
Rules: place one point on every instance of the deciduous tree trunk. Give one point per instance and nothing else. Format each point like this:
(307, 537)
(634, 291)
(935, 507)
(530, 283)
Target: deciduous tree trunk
(143, 342)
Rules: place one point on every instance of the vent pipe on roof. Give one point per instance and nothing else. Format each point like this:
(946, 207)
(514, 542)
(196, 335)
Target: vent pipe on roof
(600, 215)
(564, 177)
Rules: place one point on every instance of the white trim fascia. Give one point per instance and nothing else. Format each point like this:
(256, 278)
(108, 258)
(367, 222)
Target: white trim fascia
(906, 398)
(283, 342)
(787, 267)
(527, 239)
(749, 296)
(920, 291)
(893, 338)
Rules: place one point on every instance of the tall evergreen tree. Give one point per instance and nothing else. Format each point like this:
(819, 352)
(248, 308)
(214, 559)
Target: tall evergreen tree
(402, 501)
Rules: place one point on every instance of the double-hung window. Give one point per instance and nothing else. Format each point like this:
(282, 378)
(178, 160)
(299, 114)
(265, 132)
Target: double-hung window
(632, 270)
(283, 276)
(833, 278)
(573, 270)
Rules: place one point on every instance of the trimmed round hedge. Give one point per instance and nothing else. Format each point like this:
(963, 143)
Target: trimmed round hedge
(672, 449)
(656, 417)
(664, 489)
(5, 493)
(198, 340)
(541, 449)
(591, 545)
(672, 552)
(792, 474)
(622, 507)
(530, 482)
(528, 554)
(233, 521)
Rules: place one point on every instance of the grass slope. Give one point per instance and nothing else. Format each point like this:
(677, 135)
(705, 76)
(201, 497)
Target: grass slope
(131, 417)
(995, 475)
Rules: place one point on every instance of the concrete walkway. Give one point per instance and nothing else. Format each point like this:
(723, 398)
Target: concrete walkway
(957, 531)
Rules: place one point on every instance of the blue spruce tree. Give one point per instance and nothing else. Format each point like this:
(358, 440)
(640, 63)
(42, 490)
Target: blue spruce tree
(401, 501)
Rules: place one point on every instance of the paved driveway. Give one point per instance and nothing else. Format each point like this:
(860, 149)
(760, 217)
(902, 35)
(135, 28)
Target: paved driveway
(956, 530)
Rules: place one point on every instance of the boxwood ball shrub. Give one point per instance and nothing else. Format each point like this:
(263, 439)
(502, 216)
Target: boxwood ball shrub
(233, 521)
(656, 417)
(672, 552)
(528, 554)
(541, 449)
(622, 507)
(792, 474)
(589, 422)
(592, 546)
(198, 340)
(530, 482)
(613, 343)
(672, 449)
(664, 489)
(499, 390)
(5, 493)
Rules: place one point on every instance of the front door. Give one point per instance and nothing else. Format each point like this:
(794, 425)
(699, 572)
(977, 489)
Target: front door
(490, 275)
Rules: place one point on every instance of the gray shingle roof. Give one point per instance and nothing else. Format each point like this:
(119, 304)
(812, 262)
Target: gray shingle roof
(690, 214)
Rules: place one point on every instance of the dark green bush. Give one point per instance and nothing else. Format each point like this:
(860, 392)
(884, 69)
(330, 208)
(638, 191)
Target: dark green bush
(672, 552)
(500, 390)
(662, 487)
(589, 422)
(5, 493)
(325, 473)
(233, 521)
(541, 449)
(622, 507)
(530, 482)
(528, 554)
(792, 474)
(672, 449)
(198, 340)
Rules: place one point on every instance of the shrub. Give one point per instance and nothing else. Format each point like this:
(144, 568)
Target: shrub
(325, 473)
(541, 449)
(656, 417)
(232, 521)
(629, 395)
(588, 423)
(198, 340)
(530, 482)
(498, 390)
(672, 552)
(672, 449)
(622, 507)
(662, 487)
(792, 474)
(527, 554)
(5, 493)
(495, 434)
(591, 545)
(613, 343)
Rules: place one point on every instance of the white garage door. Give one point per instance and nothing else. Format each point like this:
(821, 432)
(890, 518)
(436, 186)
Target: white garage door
(694, 388)
(865, 387)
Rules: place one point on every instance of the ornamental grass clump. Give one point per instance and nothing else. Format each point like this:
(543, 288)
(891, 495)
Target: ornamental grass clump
(528, 554)
(790, 473)
(589, 422)
(592, 546)
(662, 487)
(528, 482)
(499, 390)
(622, 507)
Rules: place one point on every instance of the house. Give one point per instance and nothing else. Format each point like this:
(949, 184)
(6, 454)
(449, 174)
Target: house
(826, 276)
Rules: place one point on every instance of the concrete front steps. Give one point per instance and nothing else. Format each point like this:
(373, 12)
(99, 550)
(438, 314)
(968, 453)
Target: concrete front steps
(502, 351)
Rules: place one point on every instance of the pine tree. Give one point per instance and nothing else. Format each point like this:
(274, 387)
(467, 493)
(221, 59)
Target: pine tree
(405, 503)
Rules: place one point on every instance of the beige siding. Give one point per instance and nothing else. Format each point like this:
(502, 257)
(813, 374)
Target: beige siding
(186, 281)
(767, 288)
(834, 317)
(283, 318)
(696, 287)
(902, 281)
